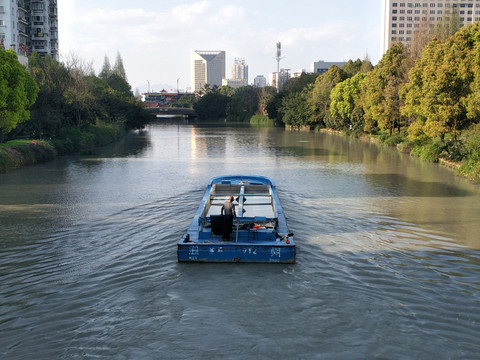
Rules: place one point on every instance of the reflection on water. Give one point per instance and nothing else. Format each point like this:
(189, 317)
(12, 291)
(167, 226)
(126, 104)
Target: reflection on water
(400, 185)
(387, 253)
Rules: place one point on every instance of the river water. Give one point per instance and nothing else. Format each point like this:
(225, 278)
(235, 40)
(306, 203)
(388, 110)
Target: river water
(388, 253)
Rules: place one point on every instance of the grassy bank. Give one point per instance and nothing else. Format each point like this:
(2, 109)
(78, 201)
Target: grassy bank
(18, 153)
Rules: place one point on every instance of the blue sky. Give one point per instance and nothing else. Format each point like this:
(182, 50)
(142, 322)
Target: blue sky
(155, 37)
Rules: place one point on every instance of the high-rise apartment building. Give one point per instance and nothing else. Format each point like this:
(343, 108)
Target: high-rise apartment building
(207, 67)
(240, 70)
(29, 25)
(402, 20)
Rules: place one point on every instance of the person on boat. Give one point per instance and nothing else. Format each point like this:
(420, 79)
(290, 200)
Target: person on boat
(228, 210)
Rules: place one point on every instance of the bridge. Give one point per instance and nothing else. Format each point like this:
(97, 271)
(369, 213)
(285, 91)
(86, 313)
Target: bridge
(186, 112)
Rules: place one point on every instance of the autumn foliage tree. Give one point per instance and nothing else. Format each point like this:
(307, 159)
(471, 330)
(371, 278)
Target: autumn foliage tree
(442, 96)
(380, 93)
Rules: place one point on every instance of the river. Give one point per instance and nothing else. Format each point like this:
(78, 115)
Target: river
(388, 253)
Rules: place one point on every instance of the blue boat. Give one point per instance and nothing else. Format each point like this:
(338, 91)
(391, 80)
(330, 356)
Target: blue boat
(260, 233)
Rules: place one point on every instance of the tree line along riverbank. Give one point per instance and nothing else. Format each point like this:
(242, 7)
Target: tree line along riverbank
(62, 107)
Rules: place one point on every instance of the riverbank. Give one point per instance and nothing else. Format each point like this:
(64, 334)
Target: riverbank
(18, 153)
(464, 169)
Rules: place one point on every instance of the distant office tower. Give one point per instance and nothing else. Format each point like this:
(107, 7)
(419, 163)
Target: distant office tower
(402, 21)
(207, 67)
(29, 25)
(240, 70)
(260, 81)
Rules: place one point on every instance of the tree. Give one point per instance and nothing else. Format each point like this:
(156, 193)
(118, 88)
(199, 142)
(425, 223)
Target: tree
(352, 67)
(441, 96)
(320, 96)
(380, 90)
(295, 108)
(345, 110)
(118, 68)
(185, 101)
(211, 106)
(48, 112)
(267, 93)
(440, 30)
(243, 103)
(106, 69)
(18, 92)
(120, 85)
(297, 84)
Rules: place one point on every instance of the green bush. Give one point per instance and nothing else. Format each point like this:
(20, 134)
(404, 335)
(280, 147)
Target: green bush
(261, 120)
(429, 152)
(394, 139)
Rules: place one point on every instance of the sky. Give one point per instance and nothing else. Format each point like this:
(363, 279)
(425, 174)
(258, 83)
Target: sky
(156, 37)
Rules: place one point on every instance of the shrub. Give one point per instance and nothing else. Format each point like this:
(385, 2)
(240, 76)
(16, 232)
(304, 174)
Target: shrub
(261, 120)
(429, 152)
(454, 150)
(471, 170)
(473, 145)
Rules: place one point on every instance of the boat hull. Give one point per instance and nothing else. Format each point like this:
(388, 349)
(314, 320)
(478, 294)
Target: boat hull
(232, 252)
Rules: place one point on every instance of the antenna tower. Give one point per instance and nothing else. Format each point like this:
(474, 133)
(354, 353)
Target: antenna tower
(278, 58)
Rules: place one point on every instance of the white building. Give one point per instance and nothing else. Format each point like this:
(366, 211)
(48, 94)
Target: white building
(29, 25)
(280, 78)
(207, 67)
(240, 70)
(260, 81)
(321, 66)
(401, 20)
(234, 83)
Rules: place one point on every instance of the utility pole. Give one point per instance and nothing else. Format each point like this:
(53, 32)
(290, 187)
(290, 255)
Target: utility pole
(278, 57)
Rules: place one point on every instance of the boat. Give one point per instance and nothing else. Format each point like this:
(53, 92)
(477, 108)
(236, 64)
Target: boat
(259, 235)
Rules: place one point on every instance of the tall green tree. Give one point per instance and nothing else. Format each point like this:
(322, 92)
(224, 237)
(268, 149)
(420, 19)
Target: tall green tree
(267, 93)
(319, 100)
(345, 110)
(48, 112)
(118, 67)
(107, 70)
(295, 108)
(441, 95)
(380, 91)
(18, 92)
